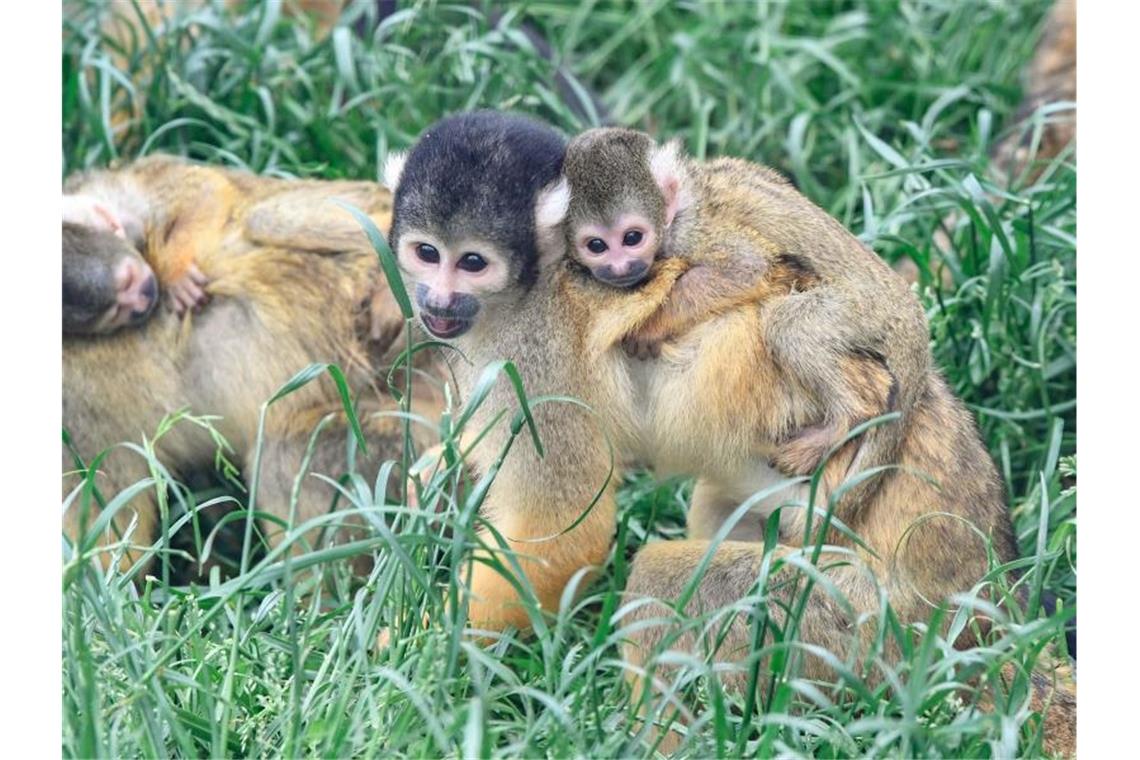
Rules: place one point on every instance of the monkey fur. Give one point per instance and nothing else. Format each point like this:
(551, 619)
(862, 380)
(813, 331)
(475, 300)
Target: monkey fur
(292, 278)
(693, 410)
(837, 319)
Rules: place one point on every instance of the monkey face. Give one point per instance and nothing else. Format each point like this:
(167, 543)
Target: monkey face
(106, 284)
(451, 281)
(618, 254)
(463, 216)
(622, 200)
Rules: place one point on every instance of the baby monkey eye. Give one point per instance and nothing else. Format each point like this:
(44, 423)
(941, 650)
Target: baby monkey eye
(427, 253)
(597, 245)
(632, 237)
(472, 262)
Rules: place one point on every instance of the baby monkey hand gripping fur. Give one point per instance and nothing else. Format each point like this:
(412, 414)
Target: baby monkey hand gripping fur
(126, 207)
(839, 324)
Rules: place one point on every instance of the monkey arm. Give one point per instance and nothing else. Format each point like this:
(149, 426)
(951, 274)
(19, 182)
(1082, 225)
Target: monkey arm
(193, 206)
(310, 217)
(717, 284)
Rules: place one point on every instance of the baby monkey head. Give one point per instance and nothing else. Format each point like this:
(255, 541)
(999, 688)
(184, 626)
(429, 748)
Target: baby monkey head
(106, 283)
(624, 193)
(463, 221)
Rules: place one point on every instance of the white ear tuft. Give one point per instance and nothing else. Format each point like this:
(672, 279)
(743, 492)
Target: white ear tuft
(552, 204)
(549, 212)
(666, 163)
(394, 169)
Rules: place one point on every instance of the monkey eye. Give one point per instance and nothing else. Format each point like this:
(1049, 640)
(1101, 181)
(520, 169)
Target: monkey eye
(427, 253)
(632, 237)
(472, 262)
(597, 245)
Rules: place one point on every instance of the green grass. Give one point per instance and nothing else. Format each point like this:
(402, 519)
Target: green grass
(882, 112)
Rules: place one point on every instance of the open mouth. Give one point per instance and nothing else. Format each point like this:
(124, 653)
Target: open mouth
(444, 327)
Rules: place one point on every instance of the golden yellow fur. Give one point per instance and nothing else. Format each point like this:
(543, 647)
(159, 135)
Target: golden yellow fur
(715, 404)
(292, 278)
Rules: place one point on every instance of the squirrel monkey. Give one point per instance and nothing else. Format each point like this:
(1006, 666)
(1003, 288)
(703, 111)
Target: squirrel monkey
(106, 282)
(474, 233)
(292, 280)
(747, 236)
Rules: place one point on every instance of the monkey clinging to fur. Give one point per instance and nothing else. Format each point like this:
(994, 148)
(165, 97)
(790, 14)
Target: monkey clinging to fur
(748, 236)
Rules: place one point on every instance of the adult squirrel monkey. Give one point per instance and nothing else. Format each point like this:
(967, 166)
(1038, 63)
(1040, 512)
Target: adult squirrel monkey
(480, 204)
(280, 277)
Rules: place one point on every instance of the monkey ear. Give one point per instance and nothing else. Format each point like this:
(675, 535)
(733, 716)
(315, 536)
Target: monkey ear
(667, 164)
(552, 204)
(394, 169)
(550, 209)
(88, 211)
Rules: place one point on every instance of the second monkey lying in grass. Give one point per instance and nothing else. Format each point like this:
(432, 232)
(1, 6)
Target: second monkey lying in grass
(293, 282)
(749, 236)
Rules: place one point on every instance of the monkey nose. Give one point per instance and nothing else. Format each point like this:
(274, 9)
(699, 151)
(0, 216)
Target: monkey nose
(148, 297)
(138, 289)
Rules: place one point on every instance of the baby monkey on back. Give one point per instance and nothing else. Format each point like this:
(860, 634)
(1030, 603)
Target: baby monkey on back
(836, 320)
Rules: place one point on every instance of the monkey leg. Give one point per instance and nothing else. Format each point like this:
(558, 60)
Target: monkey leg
(710, 507)
(833, 619)
(714, 502)
(805, 334)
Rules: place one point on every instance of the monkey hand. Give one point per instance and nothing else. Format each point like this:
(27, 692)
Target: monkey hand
(645, 341)
(188, 292)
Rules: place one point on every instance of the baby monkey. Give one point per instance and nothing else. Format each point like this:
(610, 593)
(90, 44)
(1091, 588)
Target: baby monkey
(836, 319)
(107, 284)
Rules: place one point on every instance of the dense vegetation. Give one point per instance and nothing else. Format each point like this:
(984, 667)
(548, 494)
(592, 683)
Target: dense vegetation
(884, 113)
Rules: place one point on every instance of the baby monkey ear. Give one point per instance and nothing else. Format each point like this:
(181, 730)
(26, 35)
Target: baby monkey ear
(550, 209)
(394, 169)
(88, 211)
(667, 164)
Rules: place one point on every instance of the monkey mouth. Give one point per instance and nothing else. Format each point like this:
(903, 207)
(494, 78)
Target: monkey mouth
(627, 280)
(445, 327)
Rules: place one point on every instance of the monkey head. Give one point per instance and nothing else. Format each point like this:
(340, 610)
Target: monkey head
(624, 191)
(106, 283)
(463, 219)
